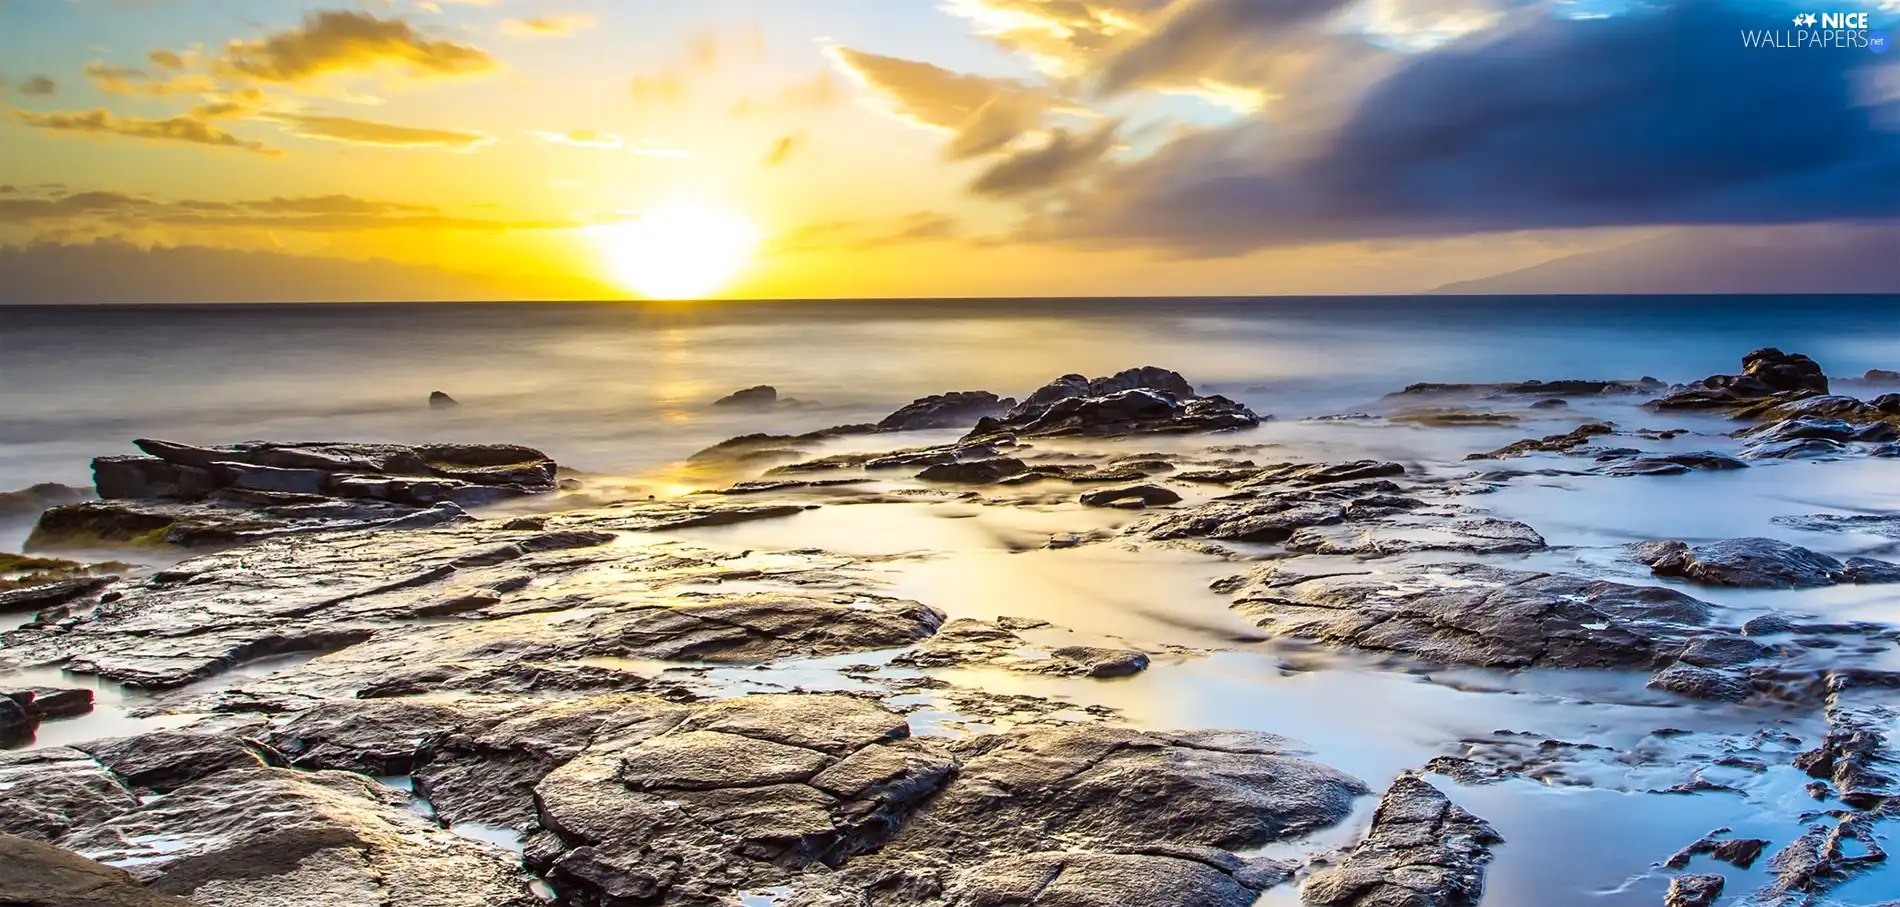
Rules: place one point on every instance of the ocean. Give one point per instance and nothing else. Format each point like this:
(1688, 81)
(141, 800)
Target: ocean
(627, 388)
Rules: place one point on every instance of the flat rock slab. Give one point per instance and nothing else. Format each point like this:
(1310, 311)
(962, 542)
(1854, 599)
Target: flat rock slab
(47, 793)
(527, 604)
(1759, 563)
(1475, 614)
(35, 874)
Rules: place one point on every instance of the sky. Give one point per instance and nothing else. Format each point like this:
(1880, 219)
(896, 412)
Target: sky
(902, 148)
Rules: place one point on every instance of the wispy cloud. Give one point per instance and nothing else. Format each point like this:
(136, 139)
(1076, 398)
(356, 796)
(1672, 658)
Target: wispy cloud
(356, 131)
(548, 27)
(184, 128)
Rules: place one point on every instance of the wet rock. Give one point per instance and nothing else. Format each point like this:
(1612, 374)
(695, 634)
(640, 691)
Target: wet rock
(1693, 891)
(1666, 464)
(27, 503)
(15, 724)
(1766, 373)
(1451, 417)
(1738, 852)
(164, 761)
(1070, 387)
(972, 642)
(33, 874)
(1098, 880)
(763, 396)
(246, 835)
(1551, 403)
(1887, 404)
(1809, 427)
(956, 409)
(52, 594)
(214, 525)
(441, 400)
(1422, 850)
(49, 704)
(1803, 449)
(1881, 524)
(1275, 516)
(1131, 495)
(1759, 563)
(1313, 474)
(1819, 859)
(1472, 535)
(1701, 683)
(1476, 615)
(379, 737)
(974, 472)
(46, 793)
(1855, 748)
(1576, 437)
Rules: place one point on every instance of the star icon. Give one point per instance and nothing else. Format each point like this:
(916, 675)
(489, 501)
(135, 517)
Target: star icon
(1799, 18)
(1807, 19)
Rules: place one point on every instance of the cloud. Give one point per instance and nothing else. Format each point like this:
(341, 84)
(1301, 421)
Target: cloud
(650, 147)
(548, 27)
(1062, 159)
(183, 128)
(167, 60)
(783, 148)
(868, 235)
(356, 131)
(126, 80)
(982, 113)
(703, 54)
(335, 42)
(582, 138)
(1060, 35)
(39, 87)
(312, 214)
(1653, 117)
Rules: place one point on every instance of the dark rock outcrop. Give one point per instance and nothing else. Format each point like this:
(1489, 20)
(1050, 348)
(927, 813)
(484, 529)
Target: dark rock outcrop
(1137, 401)
(973, 642)
(1552, 389)
(1693, 891)
(974, 472)
(763, 396)
(1422, 851)
(1759, 563)
(957, 409)
(1665, 464)
(27, 503)
(52, 791)
(441, 400)
(1576, 437)
(1131, 496)
(1766, 373)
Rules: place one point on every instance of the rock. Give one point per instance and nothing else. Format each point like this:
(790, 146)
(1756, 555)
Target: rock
(1738, 852)
(267, 835)
(1854, 752)
(1693, 891)
(1472, 535)
(1806, 427)
(1823, 857)
(46, 793)
(1311, 474)
(974, 472)
(380, 738)
(1422, 850)
(16, 725)
(1701, 683)
(1139, 495)
(973, 642)
(1451, 417)
(1759, 563)
(1550, 403)
(163, 761)
(27, 503)
(1881, 376)
(1475, 615)
(763, 396)
(1765, 373)
(1551, 389)
(53, 594)
(1136, 401)
(33, 874)
(1887, 404)
(441, 400)
(1098, 880)
(1668, 464)
(115, 523)
(956, 409)
(1576, 437)
(50, 704)
(145, 478)
(1803, 449)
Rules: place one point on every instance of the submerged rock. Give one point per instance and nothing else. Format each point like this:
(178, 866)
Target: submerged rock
(1666, 464)
(1759, 563)
(974, 472)
(1274, 517)
(1422, 851)
(1576, 437)
(1693, 891)
(1131, 495)
(441, 400)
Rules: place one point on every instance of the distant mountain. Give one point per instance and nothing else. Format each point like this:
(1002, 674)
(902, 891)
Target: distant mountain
(1805, 259)
(118, 272)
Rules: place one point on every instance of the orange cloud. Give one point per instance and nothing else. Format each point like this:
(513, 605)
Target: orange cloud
(184, 128)
(333, 42)
(548, 27)
(384, 135)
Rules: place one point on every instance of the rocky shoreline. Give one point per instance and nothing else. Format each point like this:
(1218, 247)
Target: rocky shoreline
(377, 691)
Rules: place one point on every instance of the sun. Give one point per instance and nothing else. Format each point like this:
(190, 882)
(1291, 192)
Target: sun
(683, 251)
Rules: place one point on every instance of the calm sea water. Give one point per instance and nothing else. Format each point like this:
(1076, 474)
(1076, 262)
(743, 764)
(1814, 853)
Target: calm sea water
(624, 388)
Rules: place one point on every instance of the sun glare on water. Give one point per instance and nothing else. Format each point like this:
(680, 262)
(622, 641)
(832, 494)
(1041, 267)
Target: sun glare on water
(677, 251)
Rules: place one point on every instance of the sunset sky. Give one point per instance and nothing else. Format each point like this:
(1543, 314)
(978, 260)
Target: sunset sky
(856, 148)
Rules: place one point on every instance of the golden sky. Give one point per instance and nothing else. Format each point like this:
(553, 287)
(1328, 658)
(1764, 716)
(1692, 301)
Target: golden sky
(870, 148)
